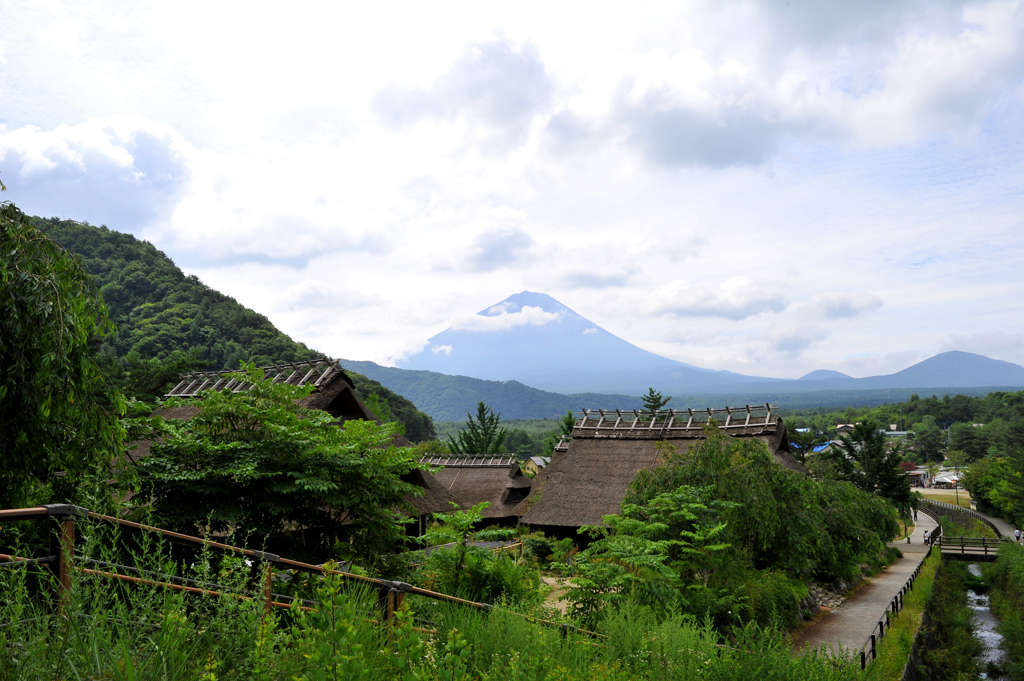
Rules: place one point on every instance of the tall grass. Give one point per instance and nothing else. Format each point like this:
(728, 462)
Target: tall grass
(112, 630)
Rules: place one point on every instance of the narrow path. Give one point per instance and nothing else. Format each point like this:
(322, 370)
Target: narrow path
(1005, 528)
(847, 627)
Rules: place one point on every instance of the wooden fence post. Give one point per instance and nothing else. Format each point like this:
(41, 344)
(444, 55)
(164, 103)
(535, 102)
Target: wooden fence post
(62, 546)
(266, 561)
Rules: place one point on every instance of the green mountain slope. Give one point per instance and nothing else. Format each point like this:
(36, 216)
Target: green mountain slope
(158, 310)
(449, 398)
(168, 322)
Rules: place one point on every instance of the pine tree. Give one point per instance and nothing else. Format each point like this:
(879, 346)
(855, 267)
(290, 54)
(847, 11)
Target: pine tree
(653, 401)
(482, 435)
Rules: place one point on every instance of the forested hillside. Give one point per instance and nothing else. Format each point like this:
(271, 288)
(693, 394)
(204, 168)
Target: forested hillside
(159, 310)
(168, 322)
(449, 398)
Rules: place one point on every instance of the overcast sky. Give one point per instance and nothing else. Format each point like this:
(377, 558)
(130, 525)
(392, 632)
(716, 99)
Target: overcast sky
(765, 187)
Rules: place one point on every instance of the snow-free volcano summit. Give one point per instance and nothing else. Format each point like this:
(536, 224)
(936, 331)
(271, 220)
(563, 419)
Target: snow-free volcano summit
(533, 338)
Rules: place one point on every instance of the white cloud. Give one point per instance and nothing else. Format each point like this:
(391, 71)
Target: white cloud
(736, 298)
(442, 349)
(310, 293)
(591, 331)
(994, 344)
(677, 173)
(504, 320)
(120, 170)
(841, 306)
(792, 339)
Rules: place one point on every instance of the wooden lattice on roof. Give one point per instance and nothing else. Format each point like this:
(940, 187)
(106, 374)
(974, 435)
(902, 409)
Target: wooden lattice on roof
(470, 462)
(669, 422)
(317, 372)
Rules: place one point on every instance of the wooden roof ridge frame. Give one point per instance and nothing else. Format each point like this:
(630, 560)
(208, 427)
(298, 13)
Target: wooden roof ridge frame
(621, 422)
(449, 461)
(299, 373)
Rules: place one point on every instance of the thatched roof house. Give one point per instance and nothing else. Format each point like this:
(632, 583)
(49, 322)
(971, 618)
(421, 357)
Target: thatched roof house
(334, 392)
(497, 479)
(590, 478)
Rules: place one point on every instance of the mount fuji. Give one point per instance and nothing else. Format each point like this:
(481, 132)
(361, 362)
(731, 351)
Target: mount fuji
(533, 338)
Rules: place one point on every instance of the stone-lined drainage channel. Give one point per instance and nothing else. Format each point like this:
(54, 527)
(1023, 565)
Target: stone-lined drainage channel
(985, 624)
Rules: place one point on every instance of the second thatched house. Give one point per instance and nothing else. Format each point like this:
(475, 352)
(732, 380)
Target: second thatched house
(589, 478)
(494, 479)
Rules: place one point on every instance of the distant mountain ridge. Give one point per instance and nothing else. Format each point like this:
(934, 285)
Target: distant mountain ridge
(449, 398)
(536, 340)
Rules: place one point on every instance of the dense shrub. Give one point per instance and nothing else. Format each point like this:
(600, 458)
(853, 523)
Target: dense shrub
(1007, 579)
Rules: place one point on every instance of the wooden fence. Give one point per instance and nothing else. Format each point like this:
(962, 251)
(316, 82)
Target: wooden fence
(62, 562)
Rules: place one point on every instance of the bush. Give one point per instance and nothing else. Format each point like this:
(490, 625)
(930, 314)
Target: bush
(774, 600)
(482, 576)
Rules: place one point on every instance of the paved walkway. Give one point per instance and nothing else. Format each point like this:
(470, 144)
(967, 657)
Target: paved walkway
(1005, 528)
(847, 627)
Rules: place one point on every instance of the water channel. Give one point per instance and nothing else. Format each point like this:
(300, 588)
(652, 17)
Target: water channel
(985, 626)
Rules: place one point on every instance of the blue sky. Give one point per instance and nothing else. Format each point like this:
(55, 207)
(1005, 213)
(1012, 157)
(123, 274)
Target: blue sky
(765, 187)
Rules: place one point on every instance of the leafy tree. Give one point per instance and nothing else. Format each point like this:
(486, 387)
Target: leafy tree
(258, 461)
(418, 426)
(158, 310)
(660, 554)
(653, 401)
(521, 444)
(866, 459)
(804, 443)
(928, 439)
(966, 438)
(148, 380)
(958, 460)
(482, 435)
(565, 426)
(782, 520)
(57, 412)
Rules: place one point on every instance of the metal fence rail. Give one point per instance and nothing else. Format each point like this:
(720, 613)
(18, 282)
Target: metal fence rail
(942, 508)
(869, 651)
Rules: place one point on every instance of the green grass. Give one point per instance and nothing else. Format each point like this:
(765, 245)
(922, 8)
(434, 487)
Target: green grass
(895, 647)
(116, 631)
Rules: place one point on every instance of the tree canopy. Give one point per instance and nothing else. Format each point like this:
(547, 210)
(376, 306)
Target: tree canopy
(866, 459)
(57, 412)
(258, 461)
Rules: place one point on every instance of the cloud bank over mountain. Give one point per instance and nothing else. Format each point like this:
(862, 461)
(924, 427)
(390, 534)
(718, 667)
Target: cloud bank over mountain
(765, 187)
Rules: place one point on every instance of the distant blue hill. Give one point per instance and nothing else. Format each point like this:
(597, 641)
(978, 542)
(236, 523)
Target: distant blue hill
(822, 374)
(947, 370)
(449, 398)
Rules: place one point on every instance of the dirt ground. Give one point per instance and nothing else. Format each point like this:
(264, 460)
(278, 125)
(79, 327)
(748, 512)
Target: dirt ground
(558, 590)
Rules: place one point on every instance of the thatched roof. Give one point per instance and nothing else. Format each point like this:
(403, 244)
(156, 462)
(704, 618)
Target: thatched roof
(498, 480)
(607, 450)
(436, 498)
(334, 393)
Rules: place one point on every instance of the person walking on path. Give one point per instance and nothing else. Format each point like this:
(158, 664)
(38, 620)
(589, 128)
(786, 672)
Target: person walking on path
(926, 537)
(1016, 536)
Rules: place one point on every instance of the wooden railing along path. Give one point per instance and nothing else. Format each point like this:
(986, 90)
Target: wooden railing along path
(62, 562)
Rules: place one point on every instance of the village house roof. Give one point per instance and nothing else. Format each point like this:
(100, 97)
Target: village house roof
(609, 447)
(334, 392)
(471, 480)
